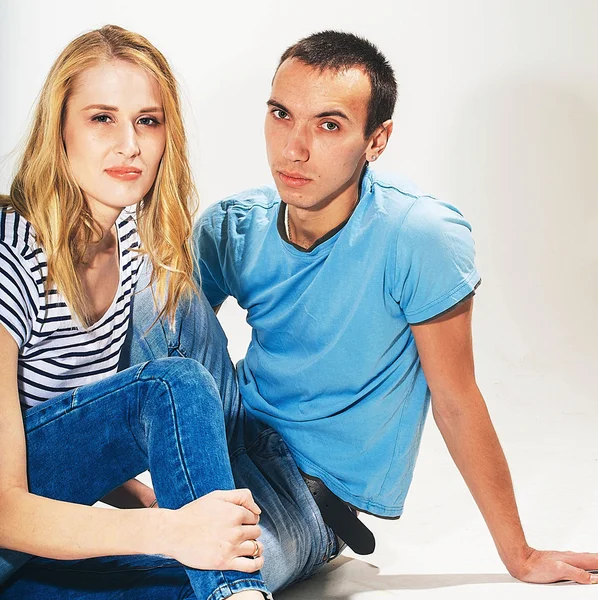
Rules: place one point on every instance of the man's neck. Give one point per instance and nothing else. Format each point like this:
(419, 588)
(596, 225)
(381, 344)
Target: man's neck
(306, 226)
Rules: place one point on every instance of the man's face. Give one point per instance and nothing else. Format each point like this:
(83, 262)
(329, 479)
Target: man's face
(315, 133)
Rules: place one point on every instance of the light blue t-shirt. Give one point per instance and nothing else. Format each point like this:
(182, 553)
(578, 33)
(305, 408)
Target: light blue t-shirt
(332, 364)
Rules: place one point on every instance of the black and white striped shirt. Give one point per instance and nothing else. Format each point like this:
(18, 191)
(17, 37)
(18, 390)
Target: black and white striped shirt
(55, 353)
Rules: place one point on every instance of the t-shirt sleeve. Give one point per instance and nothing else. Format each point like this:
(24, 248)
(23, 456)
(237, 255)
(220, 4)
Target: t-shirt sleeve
(435, 266)
(18, 295)
(209, 238)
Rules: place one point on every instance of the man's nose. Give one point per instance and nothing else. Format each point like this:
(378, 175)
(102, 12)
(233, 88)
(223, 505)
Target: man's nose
(297, 146)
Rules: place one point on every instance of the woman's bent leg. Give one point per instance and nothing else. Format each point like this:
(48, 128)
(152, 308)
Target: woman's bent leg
(165, 415)
(197, 334)
(296, 540)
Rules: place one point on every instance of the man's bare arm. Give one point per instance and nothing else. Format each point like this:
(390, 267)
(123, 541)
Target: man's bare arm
(445, 348)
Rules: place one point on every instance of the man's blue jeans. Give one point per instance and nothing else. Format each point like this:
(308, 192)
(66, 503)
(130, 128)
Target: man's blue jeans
(296, 540)
(164, 415)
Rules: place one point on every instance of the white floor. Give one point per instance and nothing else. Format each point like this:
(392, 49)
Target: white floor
(545, 416)
(440, 548)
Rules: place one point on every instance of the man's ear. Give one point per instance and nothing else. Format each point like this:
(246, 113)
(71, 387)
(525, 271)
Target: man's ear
(379, 140)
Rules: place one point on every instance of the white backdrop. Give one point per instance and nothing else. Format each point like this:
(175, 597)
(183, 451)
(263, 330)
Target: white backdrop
(498, 114)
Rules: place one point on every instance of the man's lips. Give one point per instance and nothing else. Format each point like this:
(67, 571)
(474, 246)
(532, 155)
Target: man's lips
(124, 173)
(293, 179)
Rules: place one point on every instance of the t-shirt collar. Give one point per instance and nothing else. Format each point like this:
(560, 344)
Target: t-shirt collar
(283, 208)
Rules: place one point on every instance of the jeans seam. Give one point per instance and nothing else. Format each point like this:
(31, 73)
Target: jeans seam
(240, 450)
(73, 398)
(140, 368)
(77, 407)
(102, 571)
(182, 462)
(265, 433)
(172, 346)
(225, 588)
(316, 562)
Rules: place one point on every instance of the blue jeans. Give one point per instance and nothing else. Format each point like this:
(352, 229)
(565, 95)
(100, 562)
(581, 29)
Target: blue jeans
(164, 415)
(296, 541)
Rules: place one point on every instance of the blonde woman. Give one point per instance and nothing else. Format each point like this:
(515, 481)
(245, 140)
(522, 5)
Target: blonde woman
(103, 185)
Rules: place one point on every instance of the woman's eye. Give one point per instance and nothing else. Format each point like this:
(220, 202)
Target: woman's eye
(148, 121)
(101, 119)
(330, 126)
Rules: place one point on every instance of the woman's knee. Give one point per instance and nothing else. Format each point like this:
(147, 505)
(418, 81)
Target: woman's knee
(184, 381)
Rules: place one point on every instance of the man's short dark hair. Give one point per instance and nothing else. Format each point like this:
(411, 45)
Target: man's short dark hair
(337, 50)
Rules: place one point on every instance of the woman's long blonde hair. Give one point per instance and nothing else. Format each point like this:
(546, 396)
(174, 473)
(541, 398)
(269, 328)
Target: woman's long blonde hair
(45, 193)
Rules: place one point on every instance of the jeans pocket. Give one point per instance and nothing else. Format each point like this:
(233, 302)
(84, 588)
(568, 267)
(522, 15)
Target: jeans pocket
(265, 442)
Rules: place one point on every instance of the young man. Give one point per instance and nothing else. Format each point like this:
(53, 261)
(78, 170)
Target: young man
(359, 291)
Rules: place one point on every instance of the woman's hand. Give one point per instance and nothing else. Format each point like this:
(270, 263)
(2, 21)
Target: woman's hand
(217, 531)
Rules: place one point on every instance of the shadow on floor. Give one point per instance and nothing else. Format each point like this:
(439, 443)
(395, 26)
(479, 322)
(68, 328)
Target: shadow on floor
(345, 577)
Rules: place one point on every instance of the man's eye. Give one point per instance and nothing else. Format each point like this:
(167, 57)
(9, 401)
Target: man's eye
(279, 114)
(330, 126)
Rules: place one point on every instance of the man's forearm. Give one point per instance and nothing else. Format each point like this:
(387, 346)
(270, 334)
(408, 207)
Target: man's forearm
(473, 444)
(446, 353)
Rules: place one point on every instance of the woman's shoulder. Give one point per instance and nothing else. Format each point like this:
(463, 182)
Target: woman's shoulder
(17, 233)
(126, 226)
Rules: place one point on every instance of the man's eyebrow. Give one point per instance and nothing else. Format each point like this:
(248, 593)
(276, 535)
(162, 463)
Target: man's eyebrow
(276, 104)
(326, 113)
(148, 109)
(333, 113)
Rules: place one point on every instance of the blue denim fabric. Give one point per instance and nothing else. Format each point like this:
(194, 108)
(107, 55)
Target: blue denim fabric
(165, 416)
(296, 541)
(117, 577)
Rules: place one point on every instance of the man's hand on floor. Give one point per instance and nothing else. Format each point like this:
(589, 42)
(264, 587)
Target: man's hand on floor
(549, 566)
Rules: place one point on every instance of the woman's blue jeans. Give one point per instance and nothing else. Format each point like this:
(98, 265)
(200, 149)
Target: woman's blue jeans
(164, 415)
(296, 541)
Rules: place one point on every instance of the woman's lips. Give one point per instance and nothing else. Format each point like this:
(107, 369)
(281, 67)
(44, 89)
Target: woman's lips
(124, 173)
(293, 180)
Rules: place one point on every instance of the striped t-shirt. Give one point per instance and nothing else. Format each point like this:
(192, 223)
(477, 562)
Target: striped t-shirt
(56, 354)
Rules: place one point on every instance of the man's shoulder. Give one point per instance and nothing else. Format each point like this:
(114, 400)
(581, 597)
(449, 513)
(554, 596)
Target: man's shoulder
(410, 211)
(397, 186)
(404, 202)
(247, 204)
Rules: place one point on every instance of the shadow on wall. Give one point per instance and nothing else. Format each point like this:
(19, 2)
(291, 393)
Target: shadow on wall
(347, 576)
(523, 156)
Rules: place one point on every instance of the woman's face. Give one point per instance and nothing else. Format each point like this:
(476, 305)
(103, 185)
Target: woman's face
(114, 135)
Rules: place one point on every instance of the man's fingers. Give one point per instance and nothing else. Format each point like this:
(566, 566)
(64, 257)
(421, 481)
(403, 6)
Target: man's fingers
(583, 560)
(247, 565)
(575, 574)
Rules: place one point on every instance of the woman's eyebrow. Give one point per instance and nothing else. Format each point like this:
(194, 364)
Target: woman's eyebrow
(115, 108)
